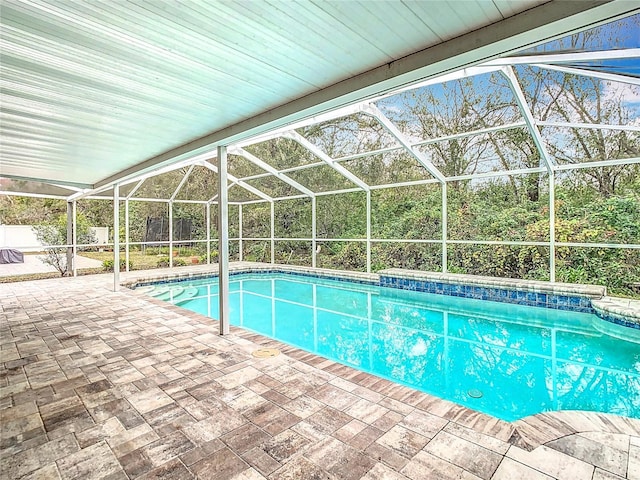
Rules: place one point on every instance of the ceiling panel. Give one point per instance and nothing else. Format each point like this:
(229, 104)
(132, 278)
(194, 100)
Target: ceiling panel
(91, 88)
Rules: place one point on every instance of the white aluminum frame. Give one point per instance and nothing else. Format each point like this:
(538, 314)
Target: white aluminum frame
(565, 63)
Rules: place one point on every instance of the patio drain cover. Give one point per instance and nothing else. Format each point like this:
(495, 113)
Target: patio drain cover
(266, 352)
(474, 393)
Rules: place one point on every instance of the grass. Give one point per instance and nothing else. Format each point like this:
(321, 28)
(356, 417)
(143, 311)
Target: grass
(140, 260)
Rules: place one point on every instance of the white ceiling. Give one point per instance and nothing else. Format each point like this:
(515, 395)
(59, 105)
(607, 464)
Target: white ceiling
(92, 91)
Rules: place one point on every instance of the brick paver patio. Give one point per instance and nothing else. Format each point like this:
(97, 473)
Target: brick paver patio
(97, 384)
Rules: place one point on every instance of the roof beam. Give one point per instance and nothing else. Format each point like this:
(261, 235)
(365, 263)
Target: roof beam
(480, 131)
(240, 183)
(528, 116)
(572, 57)
(33, 195)
(594, 126)
(153, 173)
(314, 120)
(296, 137)
(370, 153)
(601, 163)
(585, 72)
(375, 112)
(265, 166)
(182, 182)
(135, 189)
(44, 180)
(447, 77)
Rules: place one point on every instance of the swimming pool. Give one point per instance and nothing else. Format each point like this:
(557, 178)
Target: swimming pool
(506, 360)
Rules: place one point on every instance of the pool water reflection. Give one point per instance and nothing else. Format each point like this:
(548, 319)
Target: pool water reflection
(506, 360)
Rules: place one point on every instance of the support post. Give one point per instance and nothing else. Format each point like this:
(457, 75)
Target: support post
(445, 233)
(170, 234)
(223, 242)
(240, 242)
(314, 246)
(69, 239)
(552, 226)
(368, 231)
(208, 209)
(126, 234)
(116, 237)
(74, 236)
(273, 233)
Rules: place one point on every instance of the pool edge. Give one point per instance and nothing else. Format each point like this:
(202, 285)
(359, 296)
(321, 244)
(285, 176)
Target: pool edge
(557, 296)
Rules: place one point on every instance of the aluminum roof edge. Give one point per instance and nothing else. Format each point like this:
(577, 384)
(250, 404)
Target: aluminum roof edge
(539, 24)
(58, 183)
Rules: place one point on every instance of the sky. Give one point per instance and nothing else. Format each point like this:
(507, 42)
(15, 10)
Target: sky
(621, 34)
(624, 33)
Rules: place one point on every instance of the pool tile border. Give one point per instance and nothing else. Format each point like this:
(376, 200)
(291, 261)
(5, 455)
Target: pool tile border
(557, 296)
(242, 268)
(620, 311)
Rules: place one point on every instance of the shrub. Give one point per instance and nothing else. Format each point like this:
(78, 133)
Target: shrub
(54, 232)
(164, 262)
(107, 265)
(186, 251)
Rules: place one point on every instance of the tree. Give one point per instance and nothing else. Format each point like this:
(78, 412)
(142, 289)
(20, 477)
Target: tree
(580, 99)
(54, 233)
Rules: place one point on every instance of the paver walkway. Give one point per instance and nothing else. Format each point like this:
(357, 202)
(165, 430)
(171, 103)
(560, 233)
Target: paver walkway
(97, 384)
(33, 264)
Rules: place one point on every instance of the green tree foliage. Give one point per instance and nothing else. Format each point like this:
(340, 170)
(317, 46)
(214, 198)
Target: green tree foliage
(55, 233)
(16, 210)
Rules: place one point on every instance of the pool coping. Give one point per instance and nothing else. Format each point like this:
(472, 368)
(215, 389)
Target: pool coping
(622, 311)
(557, 296)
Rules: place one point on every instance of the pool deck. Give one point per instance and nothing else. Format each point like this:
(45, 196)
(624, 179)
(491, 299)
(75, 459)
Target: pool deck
(102, 384)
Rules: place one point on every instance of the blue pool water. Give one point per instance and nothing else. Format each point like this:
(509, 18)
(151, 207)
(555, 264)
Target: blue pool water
(506, 360)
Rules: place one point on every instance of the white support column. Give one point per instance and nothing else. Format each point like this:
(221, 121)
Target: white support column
(368, 231)
(69, 238)
(445, 230)
(170, 234)
(116, 237)
(126, 234)
(273, 233)
(552, 226)
(314, 243)
(223, 242)
(240, 242)
(75, 238)
(208, 208)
